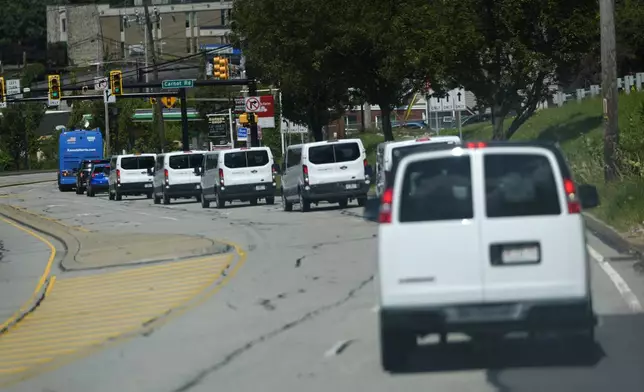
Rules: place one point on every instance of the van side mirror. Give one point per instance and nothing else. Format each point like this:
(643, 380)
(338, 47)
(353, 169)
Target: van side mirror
(371, 209)
(276, 168)
(198, 171)
(588, 196)
(150, 171)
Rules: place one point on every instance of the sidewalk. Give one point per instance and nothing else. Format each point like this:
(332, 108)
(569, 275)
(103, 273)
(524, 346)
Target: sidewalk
(23, 259)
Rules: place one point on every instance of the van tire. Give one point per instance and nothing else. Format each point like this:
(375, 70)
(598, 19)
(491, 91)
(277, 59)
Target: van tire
(343, 203)
(149, 195)
(79, 190)
(199, 198)
(270, 200)
(157, 199)
(394, 347)
(166, 199)
(204, 203)
(117, 196)
(219, 202)
(288, 206)
(362, 201)
(253, 202)
(305, 205)
(111, 195)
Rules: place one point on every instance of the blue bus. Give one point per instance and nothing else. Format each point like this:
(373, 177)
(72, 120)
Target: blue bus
(73, 147)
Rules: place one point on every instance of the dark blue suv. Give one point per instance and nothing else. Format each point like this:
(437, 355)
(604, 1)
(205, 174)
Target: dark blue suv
(98, 180)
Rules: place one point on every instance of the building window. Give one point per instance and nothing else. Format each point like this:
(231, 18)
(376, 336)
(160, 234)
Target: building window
(187, 20)
(188, 46)
(63, 25)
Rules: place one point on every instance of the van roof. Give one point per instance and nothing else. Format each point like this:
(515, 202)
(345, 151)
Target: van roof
(238, 149)
(171, 153)
(325, 142)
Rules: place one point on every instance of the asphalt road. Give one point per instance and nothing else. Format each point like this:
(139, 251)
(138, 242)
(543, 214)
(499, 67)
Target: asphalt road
(299, 314)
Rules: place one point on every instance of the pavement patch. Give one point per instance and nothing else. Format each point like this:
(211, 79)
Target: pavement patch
(83, 313)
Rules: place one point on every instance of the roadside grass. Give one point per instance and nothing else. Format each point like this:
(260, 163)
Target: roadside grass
(578, 129)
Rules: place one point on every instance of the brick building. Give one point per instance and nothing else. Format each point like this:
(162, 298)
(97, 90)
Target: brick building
(99, 32)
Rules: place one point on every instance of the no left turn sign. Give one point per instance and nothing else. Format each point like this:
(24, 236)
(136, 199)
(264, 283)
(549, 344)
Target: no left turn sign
(252, 104)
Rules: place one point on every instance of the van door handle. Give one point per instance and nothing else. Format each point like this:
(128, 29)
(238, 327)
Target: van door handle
(343, 167)
(253, 171)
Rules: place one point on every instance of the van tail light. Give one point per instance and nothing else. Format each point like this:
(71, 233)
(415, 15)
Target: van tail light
(221, 177)
(365, 163)
(118, 176)
(305, 170)
(165, 176)
(475, 145)
(385, 206)
(574, 206)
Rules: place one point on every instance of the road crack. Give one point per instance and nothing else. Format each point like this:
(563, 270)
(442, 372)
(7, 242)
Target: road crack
(230, 357)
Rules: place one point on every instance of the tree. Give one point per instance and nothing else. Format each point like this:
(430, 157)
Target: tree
(287, 43)
(17, 131)
(508, 52)
(388, 50)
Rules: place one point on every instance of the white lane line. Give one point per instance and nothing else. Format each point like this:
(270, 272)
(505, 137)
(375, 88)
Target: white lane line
(619, 282)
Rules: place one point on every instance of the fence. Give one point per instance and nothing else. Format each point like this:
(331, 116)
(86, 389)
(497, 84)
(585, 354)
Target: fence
(626, 85)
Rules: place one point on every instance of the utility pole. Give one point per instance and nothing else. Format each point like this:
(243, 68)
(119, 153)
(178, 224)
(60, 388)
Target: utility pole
(609, 88)
(159, 107)
(254, 135)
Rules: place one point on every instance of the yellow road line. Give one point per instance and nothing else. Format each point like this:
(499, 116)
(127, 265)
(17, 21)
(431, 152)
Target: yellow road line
(41, 281)
(87, 312)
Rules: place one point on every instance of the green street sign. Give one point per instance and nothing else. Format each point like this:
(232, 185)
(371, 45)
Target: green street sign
(180, 83)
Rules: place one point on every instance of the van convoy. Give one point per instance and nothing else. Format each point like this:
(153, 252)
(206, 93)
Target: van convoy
(508, 248)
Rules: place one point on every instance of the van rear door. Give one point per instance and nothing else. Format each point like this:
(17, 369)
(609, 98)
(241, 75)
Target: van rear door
(336, 161)
(532, 245)
(247, 167)
(181, 168)
(134, 168)
(429, 254)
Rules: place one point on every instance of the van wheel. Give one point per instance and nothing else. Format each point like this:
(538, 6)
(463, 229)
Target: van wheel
(362, 201)
(157, 199)
(305, 205)
(343, 203)
(253, 202)
(166, 199)
(199, 198)
(149, 195)
(219, 202)
(110, 195)
(204, 203)
(394, 347)
(270, 200)
(286, 204)
(79, 190)
(118, 196)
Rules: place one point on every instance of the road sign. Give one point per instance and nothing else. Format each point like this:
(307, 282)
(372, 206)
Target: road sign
(253, 104)
(242, 134)
(12, 87)
(53, 102)
(435, 104)
(179, 83)
(108, 97)
(168, 101)
(458, 96)
(447, 104)
(240, 104)
(100, 84)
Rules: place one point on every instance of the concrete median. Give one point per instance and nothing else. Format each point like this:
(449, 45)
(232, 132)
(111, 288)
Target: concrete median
(86, 249)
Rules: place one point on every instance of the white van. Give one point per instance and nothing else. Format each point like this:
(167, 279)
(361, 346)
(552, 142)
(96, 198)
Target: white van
(174, 176)
(335, 171)
(129, 175)
(482, 240)
(245, 174)
(389, 154)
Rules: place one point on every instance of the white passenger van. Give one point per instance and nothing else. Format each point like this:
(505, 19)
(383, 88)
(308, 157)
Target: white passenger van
(246, 174)
(483, 240)
(335, 171)
(174, 176)
(129, 175)
(389, 154)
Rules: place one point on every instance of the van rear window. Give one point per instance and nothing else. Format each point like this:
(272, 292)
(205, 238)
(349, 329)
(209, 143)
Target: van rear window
(239, 159)
(332, 153)
(437, 189)
(135, 163)
(520, 185)
(185, 161)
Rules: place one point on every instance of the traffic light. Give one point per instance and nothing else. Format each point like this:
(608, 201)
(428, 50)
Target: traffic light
(3, 92)
(54, 87)
(246, 118)
(116, 82)
(220, 68)
(153, 101)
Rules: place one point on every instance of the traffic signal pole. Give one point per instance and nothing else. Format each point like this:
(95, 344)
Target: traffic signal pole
(185, 138)
(254, 137)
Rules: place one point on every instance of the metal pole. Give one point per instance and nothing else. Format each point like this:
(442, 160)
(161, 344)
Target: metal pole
(427, 111)
(609, 88)
(145, 51)
(458, 121)
(232, 128)
(281, 123)
(184, 120)
(107, 128)
(254, 137)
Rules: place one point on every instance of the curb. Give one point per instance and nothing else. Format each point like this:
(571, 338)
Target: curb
(26, 172)
(25, 183)
(611, 237)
